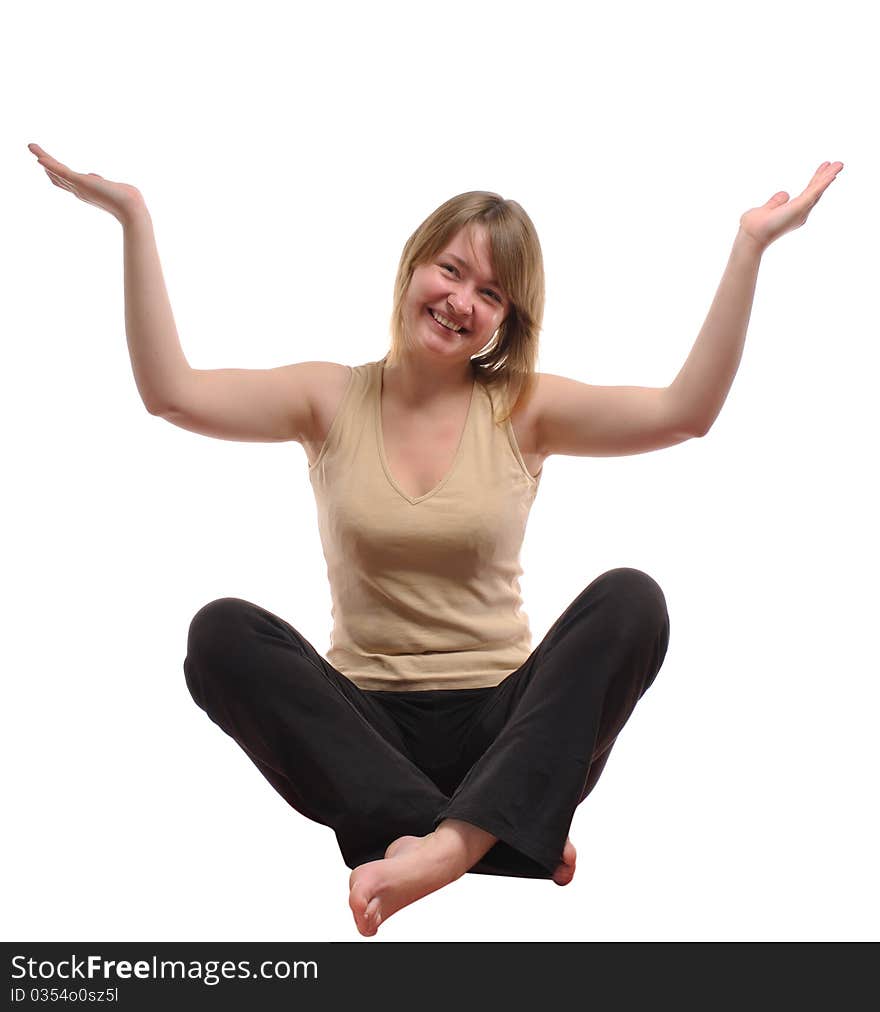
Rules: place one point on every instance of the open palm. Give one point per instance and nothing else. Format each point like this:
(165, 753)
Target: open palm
(116, 198)
(781, 213)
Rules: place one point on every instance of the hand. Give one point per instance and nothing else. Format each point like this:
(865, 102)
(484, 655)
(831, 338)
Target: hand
(120, 199)
(781, 214)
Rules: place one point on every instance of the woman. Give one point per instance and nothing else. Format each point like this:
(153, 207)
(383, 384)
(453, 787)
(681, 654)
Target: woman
(433, 739)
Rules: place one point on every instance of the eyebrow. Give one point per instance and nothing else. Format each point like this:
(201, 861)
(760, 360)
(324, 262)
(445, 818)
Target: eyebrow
(464, 263)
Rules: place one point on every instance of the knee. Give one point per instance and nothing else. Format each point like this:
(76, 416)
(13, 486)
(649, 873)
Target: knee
(641, 616)
(212, 625)
(640, 597)
(211, 642)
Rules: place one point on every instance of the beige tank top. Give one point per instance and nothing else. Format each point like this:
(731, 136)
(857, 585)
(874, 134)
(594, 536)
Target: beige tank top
(425, 592)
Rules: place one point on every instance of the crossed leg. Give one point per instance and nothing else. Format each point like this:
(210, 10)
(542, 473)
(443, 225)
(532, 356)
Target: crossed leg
(415, 866)
(601, 656)
(260, 681)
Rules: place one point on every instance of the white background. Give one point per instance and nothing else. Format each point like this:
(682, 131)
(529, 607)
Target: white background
(285, 155)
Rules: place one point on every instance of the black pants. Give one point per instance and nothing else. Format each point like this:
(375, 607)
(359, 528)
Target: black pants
(515, 759)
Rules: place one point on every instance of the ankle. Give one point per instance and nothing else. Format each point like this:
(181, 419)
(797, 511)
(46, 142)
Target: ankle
(465, 842)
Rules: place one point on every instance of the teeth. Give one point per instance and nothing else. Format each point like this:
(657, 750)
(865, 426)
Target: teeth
(446, 323)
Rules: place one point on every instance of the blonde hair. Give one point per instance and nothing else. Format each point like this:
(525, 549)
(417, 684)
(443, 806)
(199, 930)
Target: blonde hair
(509, 361)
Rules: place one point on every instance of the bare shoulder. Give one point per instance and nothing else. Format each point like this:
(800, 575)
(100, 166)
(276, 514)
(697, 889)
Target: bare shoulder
(328, 382)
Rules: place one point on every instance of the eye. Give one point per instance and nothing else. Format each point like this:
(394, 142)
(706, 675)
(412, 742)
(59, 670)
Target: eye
(488, 291)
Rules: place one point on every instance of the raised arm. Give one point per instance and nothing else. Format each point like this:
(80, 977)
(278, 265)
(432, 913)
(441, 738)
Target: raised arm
(699, 390)
(575, 418)
(159, 365)
(258, 405)
(248, 405)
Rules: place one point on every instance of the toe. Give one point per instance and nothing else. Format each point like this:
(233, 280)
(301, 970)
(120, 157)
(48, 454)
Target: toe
(358, 900)
(564, 872)
(372, 917)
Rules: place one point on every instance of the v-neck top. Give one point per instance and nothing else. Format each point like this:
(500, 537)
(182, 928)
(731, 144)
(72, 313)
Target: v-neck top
(425, 591)
(380, 439)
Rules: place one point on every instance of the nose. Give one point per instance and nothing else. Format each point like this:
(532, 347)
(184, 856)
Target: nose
(460, 303)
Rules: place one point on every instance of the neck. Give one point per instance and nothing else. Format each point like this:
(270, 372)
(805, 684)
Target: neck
(420, 384)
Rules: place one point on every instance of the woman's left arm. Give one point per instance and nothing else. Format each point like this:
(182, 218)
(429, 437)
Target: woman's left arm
(704, 381)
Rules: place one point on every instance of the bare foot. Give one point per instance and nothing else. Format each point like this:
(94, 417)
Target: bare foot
(413, 867)
(400, 844)
(565, 870)
(562, 876)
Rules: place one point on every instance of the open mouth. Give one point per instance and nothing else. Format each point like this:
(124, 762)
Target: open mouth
(446, 324)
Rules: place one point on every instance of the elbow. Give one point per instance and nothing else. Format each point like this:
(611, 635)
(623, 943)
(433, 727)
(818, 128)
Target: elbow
(692, 431)
(697, 429)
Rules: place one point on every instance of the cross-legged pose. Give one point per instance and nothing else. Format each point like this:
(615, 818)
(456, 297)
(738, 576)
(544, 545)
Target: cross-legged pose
(434, 738)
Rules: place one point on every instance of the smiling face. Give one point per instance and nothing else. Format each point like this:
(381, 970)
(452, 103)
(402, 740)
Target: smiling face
(459, 286)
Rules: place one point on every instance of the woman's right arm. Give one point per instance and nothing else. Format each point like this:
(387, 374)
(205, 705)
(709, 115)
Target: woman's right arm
(251, 405)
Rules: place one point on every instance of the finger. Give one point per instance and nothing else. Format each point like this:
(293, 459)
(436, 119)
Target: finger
(47, 160)
(35, 149)
(58, 181)
(820, 176)
(827, 171)
(823, 177)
